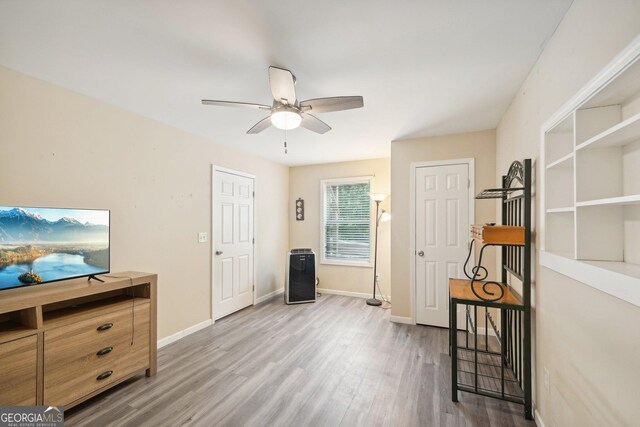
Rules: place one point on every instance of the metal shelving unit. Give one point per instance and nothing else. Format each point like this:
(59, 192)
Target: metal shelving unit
(497, 365)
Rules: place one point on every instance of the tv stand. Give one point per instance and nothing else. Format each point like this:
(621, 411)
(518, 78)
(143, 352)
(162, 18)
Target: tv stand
(64, 342)
(94, 277)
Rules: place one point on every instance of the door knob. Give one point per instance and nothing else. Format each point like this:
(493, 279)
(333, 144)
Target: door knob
(421, 253)
(218, 252)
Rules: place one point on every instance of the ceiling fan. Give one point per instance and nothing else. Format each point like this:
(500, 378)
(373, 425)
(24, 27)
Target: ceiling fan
(286, 112)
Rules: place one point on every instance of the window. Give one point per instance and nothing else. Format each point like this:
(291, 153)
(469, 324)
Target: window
(346, 221)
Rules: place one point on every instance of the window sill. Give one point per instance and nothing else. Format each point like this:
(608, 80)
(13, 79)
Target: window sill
(618, 279)
(345, 263)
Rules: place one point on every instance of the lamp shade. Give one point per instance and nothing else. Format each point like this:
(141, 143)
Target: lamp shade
(385, 216)
(286, 119)
(377, 197)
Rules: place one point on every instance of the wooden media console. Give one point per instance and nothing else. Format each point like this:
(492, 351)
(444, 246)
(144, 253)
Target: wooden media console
(62, 343)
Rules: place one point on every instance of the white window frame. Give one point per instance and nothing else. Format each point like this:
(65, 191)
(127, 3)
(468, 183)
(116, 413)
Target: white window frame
(344, 181)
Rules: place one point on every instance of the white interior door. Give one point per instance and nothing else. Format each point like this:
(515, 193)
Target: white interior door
(441, 238)
(232, 243)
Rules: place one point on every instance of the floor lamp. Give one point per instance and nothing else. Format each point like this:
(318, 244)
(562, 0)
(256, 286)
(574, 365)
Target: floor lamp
(380, 217)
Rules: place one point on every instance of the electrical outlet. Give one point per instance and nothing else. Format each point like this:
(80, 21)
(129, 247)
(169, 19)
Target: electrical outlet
(547, 379)
(202, 237)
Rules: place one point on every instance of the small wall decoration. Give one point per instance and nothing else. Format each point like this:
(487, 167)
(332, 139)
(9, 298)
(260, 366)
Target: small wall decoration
(299, 209)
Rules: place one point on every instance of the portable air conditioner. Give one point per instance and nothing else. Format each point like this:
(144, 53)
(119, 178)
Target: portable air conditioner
(300, 283)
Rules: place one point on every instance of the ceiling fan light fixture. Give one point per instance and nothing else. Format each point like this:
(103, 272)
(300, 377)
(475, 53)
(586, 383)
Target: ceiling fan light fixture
(286, 119)
(286, 112)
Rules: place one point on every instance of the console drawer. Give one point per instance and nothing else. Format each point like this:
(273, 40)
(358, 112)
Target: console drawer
(76, 355)
(78, 342)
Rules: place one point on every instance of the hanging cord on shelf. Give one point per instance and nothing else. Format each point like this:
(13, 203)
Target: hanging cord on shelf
(133, 302)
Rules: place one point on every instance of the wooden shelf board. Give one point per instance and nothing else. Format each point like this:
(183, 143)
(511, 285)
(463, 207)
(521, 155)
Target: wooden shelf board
(561, 210)
(11, 330)
(612, 201)
(461, 289)
(562, 162)
(621, 134)
(31, 296)
(498, 234)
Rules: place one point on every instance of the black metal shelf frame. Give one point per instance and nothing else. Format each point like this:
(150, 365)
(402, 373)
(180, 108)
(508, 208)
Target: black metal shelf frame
(500, 366)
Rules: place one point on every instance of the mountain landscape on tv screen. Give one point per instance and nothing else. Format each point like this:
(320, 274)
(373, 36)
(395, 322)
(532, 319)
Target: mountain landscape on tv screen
(20, 226)
(34, 249)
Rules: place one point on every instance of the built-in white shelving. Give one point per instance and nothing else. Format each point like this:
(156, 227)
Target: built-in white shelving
(591, 182)
(562, 162)
(613, 201)
(560, 139)
(561, 210)
(621, 134)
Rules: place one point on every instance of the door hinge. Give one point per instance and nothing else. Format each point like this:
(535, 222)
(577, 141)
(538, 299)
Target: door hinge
(254, 194)
(468, 183)
(253, 240)
(254, 287)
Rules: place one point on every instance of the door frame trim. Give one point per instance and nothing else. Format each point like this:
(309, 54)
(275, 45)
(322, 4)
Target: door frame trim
(214, 169)
(470, 162)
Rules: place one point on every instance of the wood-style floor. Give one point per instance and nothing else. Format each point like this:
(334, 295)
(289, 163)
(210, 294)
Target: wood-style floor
(337, 362)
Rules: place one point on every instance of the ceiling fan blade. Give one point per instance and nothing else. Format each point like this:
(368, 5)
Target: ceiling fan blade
(236, 104)
(282, 85)
(336, 103)
(314, 124)
(261, 125)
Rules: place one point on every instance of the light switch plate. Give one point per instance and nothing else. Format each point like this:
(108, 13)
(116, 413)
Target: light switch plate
(202, 237)
(547, 379)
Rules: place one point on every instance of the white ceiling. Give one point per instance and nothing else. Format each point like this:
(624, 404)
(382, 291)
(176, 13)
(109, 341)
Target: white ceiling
(424, 67)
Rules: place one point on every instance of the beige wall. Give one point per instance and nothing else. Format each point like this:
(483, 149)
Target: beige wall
(304, 181)
(588, 340)
(63, 149)
(477, 145)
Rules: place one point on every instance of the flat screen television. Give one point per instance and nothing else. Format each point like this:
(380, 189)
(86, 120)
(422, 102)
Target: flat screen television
(42, 245)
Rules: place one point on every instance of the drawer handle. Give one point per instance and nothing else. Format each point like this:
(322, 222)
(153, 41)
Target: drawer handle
(105, 327)
(104, 375)
(104, 351)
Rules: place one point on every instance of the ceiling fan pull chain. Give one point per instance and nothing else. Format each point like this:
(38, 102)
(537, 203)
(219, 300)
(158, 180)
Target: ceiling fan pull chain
(285, 141)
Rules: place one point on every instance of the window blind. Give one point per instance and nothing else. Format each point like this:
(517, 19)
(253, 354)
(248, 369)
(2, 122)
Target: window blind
(347, 221)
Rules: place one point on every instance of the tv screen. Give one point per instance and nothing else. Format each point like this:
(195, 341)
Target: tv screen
(40, 245)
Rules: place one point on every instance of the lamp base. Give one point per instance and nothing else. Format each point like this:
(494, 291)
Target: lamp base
(374, 301)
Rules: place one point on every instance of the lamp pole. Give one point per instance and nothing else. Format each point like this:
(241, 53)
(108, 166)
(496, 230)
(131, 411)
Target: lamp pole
(374, 300)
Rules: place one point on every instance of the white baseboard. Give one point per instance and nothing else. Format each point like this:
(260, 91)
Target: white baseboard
(183, 333)
(348, 293)
(402, 319)
(538, 419)
(269, 295)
